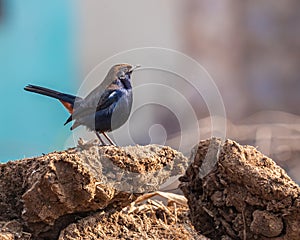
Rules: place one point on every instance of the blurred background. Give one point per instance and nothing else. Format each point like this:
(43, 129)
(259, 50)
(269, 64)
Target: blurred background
(250, 48)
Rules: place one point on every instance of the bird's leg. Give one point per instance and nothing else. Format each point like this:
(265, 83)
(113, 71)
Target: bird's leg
(109, 139)
(102, 142)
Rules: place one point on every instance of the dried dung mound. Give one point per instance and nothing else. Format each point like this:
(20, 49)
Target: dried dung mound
(41, 196)
(235, 192)
(152, 220)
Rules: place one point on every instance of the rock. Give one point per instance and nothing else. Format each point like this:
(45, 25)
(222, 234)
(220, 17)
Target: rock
(266, 224)
(236, 192)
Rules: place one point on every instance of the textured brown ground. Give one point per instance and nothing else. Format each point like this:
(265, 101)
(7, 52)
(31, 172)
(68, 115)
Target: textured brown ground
(43, 195)
(152, 220)
(245, 195)
(85, 192)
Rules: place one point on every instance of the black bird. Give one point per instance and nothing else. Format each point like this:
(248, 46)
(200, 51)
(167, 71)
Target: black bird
(104, 109)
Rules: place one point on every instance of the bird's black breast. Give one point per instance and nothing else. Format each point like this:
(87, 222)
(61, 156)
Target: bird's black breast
(126, 82)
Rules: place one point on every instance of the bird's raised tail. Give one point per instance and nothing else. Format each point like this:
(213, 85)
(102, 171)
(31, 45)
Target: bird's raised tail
(66, 99)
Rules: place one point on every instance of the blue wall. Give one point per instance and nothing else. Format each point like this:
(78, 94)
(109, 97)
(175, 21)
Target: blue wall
(37, 47)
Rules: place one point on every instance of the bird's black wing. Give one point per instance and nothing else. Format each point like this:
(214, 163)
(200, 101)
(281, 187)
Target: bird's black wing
(107, 99)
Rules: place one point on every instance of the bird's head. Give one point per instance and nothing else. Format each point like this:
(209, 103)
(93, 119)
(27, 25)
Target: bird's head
(122, 72)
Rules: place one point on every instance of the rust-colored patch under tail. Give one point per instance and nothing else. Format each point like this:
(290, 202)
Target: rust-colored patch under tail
(68, 106)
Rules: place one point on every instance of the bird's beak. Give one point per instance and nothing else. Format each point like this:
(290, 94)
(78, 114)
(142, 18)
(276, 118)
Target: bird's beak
(134, 67)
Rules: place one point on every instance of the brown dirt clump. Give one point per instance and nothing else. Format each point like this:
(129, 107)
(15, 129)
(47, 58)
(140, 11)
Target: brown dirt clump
(41, 196)
(152, 220)
(235, 192)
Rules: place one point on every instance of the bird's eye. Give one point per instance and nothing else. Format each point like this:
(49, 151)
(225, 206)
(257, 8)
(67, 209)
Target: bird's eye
(122, 75)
